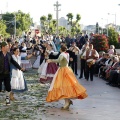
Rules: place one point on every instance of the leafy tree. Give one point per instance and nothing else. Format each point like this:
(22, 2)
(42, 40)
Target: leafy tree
(23, 21)
(3, 29)
(75, 27)
(43, 23)
(54, 23)
(62, 30)
(78, 17)
(49, 18)
(70, 18)
(78, 31)
(113, 37)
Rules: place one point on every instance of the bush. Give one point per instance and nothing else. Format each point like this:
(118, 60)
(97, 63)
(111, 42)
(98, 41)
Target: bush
(100, 43)
(113, 38)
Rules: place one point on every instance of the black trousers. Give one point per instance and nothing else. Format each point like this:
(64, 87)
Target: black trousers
(82, 69)
(97, 67)
(6, 80)
(113, 77)
(89, 72)
(73, 64)
(41, 60)
(118, 79)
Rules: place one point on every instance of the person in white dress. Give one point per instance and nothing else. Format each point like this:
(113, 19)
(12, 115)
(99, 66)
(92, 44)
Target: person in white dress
(18, 83)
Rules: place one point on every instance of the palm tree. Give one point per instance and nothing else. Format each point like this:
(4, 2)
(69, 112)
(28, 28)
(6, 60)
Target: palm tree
(73, 31)
(70, 18)
(78, 31)
(78, 17)
(49, 19)
(54, 23)
(43, 20)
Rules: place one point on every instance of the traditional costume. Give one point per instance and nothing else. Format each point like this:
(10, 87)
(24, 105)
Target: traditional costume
(74, 51)
(47, 70)
(5, 60)
(18, 83)
(65, 84)
(25, 63)
(36, 64)
(91, 56)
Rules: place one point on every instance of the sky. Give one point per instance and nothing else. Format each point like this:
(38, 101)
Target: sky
(91, 11)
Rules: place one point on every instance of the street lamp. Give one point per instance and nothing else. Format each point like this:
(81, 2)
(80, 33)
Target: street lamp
(115, 19)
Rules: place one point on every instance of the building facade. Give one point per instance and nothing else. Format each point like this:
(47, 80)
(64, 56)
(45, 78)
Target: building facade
(63, 22)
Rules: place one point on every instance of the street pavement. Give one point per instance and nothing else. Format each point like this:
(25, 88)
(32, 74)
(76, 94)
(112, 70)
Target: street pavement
(102, 103)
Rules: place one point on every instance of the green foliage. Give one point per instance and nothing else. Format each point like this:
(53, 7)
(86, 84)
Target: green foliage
(75, 27)
(78, 17)
(62, 30)
(113, 37)
(3, 29)
(44, 24)
(43, 19)
(78, 31)
(48, 24)
(49, 17)
(70, 18)
(23, 21)
(49, 20)
(100, 42)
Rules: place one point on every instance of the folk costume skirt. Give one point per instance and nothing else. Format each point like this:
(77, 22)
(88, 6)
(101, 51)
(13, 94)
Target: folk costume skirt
(48, 74)
(65, 85)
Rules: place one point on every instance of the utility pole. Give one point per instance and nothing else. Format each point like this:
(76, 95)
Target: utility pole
(15, 26)
(57, 11)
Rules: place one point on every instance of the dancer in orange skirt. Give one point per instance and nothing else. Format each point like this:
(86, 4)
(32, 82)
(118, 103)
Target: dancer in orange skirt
(65, 85)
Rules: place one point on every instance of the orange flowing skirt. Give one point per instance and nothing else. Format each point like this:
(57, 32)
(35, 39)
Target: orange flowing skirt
(65, 85)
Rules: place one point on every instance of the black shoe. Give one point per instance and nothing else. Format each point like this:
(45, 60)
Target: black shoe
(108, 83)
(7, 101)
(96, 75)
(114, 85)
(91, 80)
(76, 74)
(80, 77)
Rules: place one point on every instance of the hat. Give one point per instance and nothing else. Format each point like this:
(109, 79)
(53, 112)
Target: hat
(3, 44)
